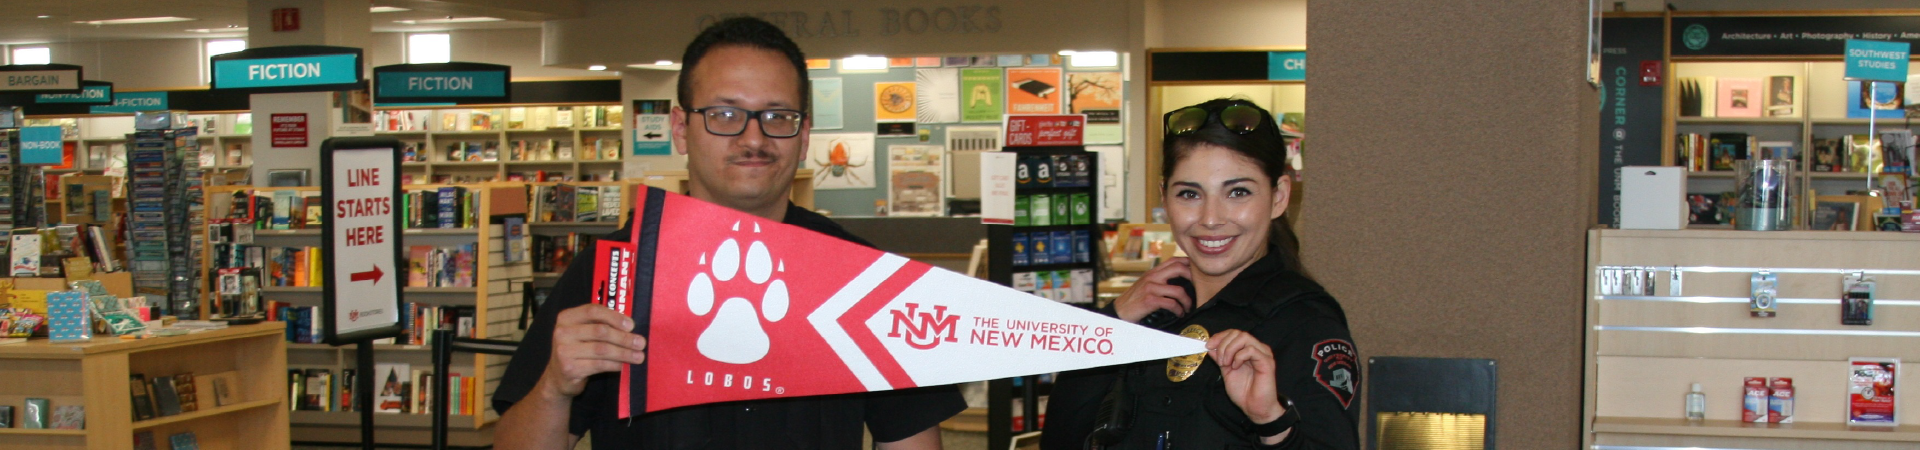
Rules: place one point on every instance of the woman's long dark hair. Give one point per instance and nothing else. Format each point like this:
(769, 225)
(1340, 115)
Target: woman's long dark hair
(1264, 146)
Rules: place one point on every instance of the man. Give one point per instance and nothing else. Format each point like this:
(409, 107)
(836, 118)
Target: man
(742, 124)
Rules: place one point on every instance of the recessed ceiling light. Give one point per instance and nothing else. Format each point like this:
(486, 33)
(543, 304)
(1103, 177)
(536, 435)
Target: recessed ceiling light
(385, 9)
(663, 63)
(218, 30)
(449, 20)
(134, 20)
(596, 67)
(43, 16)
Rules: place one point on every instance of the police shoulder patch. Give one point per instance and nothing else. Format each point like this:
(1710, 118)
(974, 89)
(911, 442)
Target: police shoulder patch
(1335, 368)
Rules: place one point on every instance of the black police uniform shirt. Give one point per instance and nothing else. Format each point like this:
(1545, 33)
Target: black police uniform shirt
(1314, 359)
(821, 422)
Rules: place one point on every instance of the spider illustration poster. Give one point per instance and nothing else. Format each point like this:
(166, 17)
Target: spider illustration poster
(841, 160)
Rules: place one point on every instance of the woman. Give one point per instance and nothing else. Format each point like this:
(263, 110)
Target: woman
(1280, 369)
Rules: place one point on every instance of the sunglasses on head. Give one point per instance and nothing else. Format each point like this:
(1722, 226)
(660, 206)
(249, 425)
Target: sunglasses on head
(1239, 117)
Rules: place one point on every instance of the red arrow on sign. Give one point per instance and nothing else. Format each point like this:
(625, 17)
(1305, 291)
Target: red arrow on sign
(367, 275)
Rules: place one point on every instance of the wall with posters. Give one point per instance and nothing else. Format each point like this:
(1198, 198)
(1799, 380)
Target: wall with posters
(860, 108)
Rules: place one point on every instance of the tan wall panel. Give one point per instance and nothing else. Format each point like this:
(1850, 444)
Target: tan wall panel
(1230, 23)
(1453, 181)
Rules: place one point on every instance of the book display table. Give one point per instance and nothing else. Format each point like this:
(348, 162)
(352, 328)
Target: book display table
(249, 412)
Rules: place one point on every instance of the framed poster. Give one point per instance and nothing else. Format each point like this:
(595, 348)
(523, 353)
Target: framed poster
(894, 102)
(914, 187)
(1033, 90)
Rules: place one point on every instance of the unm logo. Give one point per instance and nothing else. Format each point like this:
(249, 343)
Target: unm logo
(929, 331)
(1695, 36)
(736, 336)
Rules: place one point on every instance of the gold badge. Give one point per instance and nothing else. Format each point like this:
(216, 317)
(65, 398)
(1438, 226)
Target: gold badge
(1179, 368)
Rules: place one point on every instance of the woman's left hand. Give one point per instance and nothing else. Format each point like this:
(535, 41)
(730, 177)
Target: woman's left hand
(1247, 366)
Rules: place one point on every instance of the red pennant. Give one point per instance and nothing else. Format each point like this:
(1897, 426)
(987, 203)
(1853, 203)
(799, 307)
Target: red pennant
(745, 308)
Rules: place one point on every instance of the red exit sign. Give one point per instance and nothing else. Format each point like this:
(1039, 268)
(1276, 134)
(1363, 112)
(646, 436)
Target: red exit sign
(286, 19)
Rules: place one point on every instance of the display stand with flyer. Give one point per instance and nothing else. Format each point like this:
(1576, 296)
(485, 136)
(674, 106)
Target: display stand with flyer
(359, 177)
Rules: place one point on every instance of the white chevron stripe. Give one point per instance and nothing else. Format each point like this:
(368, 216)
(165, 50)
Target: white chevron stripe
(825, 319)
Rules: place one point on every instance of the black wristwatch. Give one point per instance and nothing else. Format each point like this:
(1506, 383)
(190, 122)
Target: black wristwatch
(1279, 425)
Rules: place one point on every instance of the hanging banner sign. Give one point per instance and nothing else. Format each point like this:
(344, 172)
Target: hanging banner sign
(1629, 106)
(443, 82)
(1877, 61)
(1045, 130)
(362, 238)
(40, 78)
(91, 93)
(1287, 66)
(1785, 35)
(40, 145)
(747, 308)
(132, 102)
(300, 68)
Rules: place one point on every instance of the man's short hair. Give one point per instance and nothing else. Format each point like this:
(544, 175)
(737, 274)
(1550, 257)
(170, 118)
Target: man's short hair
(748, 32)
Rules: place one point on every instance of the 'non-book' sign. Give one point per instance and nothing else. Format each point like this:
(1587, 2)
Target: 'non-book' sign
(40, 145)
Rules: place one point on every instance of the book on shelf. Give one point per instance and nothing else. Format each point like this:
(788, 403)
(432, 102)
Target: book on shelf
(391, 383)
(1696, 96)
(1774, 150)
(1863, 153)
(1882, 100)
(143, 407)
(1782, 95)
(220, 388)
(343, 394)
(552, 253)
(184, 441)
(563, 117)
(165, 399)
(451, 266)
(143, 440)
(184, 387)
(1725, 148)
(317, 394)
(69, 417)
(515, 237)
(1739, 97)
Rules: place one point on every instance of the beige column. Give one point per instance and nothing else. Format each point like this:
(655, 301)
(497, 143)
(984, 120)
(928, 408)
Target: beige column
(1452, 178)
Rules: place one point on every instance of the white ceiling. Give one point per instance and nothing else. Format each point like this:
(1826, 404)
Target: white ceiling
(20, 21)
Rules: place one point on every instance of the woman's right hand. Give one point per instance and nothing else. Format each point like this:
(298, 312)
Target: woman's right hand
(1152, 292)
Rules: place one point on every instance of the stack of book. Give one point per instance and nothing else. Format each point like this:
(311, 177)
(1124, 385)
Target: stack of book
(292, 266)
(418, 320)
(429, 266)
(318, 390)
(164, 396)
(400, 389)
(552, 254)
(398, 120)
(446, 207)
(568, 203)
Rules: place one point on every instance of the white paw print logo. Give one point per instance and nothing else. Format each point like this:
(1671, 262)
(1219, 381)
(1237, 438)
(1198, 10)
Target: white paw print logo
(735, 335)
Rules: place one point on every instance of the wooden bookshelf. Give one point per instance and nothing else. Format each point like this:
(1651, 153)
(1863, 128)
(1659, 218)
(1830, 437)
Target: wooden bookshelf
(94, 374)
(496, 307)
(433, 140)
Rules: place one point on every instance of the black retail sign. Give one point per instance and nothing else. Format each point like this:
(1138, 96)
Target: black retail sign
(1629, 110)
(1786, 36)
(40, 78)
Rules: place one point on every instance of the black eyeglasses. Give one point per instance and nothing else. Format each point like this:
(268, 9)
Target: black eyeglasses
(1239, 117)
(731, 121)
